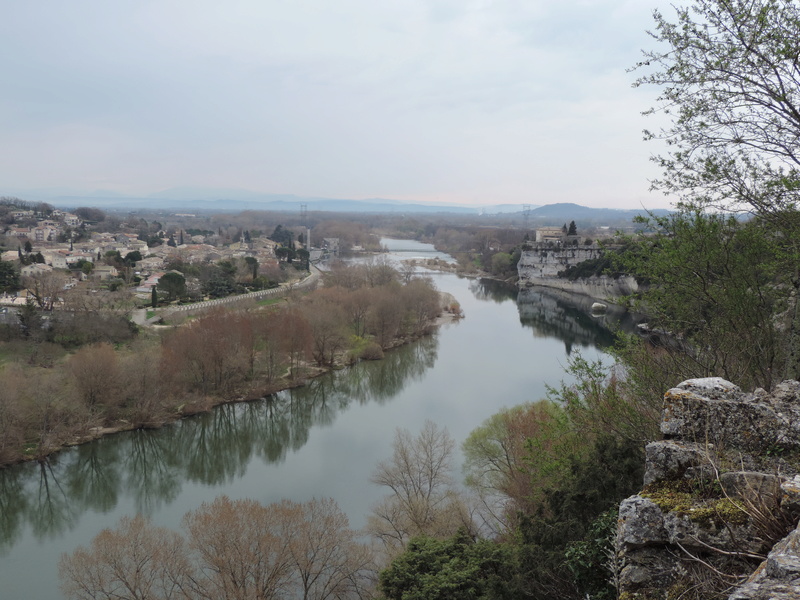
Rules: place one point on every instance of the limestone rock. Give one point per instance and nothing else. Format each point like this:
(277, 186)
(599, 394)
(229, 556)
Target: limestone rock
(599, 308)
(790, 494)
(648, 568)
(757, 488)
(685, 530)
(727, 418)
(671, 459)
(713, 388)
(778, 578)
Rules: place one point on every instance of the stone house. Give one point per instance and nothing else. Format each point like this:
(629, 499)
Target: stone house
(104, 272)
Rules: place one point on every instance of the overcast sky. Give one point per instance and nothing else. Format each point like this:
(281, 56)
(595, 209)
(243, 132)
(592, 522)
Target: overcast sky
(460, 101)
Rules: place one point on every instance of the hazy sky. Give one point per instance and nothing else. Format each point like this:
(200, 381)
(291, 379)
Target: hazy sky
(465, 101)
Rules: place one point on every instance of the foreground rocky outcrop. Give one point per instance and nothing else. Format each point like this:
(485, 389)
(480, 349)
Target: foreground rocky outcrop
(718, 514)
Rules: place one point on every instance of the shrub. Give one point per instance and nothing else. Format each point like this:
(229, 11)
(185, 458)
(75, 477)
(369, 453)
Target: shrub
(372, 351)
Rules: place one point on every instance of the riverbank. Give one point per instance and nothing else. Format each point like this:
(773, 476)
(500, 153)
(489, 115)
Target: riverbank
(52, 441)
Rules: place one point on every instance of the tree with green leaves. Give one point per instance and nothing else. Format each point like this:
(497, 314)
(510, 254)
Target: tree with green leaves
(282, 236)
(457, 567)
(9, 277)
(730, 85)
(252, 264)
(173, 284)
(714, 284)
(303, 256)
(85, 266)
(132, 258)
(30, 319)
(95, 215)
(284, 254)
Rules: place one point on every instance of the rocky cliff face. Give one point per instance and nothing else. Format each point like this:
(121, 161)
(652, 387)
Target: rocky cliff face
(718, 513)
(541, 264)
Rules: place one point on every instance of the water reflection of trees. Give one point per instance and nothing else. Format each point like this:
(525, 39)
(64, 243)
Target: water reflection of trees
(151, 466)
(92, 479)
(552, 313)
(13, 505)
(51, 512)
(492, 290)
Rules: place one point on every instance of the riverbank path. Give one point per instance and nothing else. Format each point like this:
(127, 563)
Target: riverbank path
(139, 316)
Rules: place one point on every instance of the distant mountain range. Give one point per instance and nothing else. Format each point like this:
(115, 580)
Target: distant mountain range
(564, 212)
(225, 200)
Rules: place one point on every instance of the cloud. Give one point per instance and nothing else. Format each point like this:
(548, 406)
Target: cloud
(478, 101)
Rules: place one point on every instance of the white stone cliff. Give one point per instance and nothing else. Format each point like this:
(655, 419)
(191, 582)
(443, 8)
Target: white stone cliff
(540, 264)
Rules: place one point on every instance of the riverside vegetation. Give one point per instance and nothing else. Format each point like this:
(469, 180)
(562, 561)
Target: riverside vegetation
(121, 378)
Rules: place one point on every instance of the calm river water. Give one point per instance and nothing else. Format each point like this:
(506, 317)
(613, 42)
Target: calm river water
(320, 440)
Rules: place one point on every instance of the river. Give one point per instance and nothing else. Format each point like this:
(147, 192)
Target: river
(320, 440)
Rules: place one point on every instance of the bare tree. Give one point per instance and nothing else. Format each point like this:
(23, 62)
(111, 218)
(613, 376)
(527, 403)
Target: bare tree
(12, 433)
(92, 300)
(385, 315)
(46, 288)
(95, 373)
(356, 305)
(241, 547)
(136, 561)
(423, 304)
(326, 319)
(50, 412)
(142, 384)
(214, 353)
(380, 272)
(327, 561)
(233, 550)
(295, 336)
(268, 342)
(423, 498)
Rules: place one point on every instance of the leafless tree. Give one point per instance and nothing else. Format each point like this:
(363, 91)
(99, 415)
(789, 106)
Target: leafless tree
(95, 374)
(136, 561)
(142, 384)
(423, 497)
(47, 289)
(326, 321)
(233, 550)
(241, 548)
(327, 560)
(385, 315)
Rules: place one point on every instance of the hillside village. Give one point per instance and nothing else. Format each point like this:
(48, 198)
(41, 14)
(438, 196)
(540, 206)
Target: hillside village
(51, 251)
